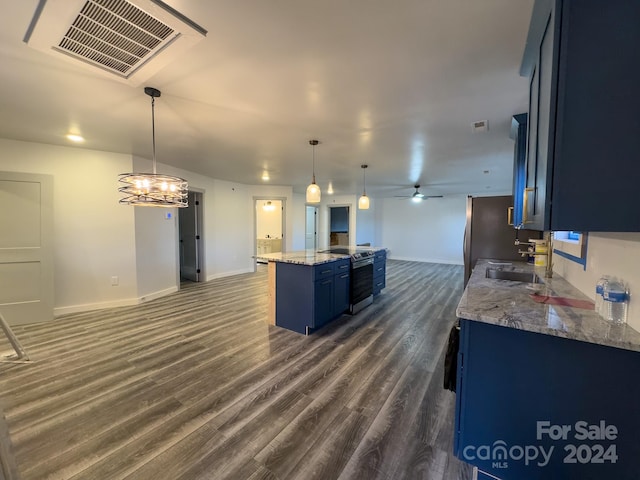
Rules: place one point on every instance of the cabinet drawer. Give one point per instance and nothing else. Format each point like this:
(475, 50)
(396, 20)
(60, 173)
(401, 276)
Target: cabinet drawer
(342, 266)
(324, 270)
(379, 270)
(381, 256)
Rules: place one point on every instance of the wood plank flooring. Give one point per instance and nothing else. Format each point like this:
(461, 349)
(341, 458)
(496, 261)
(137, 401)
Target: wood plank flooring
(196, 385)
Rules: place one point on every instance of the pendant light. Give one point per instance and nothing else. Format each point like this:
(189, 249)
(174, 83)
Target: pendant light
(153, 189)
(313, 190)
(363, 201)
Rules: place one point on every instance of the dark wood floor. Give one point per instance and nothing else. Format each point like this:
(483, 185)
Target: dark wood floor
(196, 385)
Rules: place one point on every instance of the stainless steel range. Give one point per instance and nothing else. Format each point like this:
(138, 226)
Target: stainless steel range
(361, 284)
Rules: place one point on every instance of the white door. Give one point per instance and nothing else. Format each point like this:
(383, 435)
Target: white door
(26, 247)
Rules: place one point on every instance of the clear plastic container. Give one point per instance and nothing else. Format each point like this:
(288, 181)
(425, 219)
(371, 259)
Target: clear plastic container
(600, 295)
(616, 302)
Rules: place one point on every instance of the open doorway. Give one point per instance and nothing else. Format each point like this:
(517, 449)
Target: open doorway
(269, 225)
(311, 228)
(191, 239)
(339, 225)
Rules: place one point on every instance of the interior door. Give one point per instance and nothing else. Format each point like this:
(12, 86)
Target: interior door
(26, 247)
(190, 238)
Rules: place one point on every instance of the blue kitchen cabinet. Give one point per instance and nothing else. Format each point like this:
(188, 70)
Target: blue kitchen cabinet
(519, 135)
(379, 271)
(583, 61)
(341, 284)
(310, 296)
(535, 406)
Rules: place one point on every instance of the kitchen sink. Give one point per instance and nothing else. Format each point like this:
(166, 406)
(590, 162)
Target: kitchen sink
(527, 277)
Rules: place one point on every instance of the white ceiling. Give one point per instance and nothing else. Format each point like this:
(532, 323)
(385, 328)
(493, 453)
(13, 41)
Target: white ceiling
(395, 84)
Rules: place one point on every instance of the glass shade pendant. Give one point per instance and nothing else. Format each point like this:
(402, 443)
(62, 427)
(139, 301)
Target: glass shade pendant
(313, 190)
(153, 189)
(363, 201)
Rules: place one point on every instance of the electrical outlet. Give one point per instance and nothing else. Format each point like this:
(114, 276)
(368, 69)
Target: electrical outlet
(115, 281)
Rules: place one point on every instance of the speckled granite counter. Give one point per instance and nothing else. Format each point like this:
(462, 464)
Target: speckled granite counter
(303, 257)
(312, 257)
(509, 304)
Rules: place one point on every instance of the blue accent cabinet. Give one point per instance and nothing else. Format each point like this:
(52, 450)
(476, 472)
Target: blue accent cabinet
(310, 296)
(535, 406)
(519, 134)
(583, 63)
(379, 271)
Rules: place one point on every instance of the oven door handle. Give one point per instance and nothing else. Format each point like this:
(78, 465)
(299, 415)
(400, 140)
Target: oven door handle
(362, 263)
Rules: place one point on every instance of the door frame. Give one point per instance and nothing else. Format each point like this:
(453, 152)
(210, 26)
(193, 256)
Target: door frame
(263, 198)
(316, 216)
(350, 221)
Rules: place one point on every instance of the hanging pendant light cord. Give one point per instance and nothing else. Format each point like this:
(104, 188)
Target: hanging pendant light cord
(364, 180)
(313, 161)
(153, 132)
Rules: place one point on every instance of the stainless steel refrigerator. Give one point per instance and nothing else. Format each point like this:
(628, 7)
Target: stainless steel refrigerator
(488, 233)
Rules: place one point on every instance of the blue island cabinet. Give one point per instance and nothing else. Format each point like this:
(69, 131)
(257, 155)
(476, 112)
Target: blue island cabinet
(537, 406)
(379, 271)
(310, 296)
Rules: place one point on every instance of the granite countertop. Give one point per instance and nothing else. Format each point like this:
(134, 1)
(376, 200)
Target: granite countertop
(302, 257)
(509, 304)
(312, 257)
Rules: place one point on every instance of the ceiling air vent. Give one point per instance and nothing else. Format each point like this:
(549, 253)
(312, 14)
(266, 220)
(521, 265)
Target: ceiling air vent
(131, 39)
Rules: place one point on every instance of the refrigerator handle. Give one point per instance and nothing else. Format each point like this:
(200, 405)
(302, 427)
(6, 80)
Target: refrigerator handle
(464, 246)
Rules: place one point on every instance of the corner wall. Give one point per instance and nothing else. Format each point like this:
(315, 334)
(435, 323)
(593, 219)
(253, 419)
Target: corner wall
(94, 236)
(615, 254)
(429, 231)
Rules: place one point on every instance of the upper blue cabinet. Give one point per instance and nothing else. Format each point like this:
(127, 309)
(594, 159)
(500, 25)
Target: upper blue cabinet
(582, 59)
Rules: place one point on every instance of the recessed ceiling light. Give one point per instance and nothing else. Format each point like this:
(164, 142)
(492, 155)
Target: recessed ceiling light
(265, 176)
(75, 138)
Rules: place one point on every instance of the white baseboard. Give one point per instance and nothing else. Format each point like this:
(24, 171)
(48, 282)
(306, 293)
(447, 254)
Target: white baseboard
(126, 302)
(160, 293)
(229, 274)
(86, 307)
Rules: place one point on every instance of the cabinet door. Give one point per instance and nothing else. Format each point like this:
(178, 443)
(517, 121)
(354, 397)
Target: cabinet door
(540, 141)
(519, 134)
(341, 293)
(323, 302)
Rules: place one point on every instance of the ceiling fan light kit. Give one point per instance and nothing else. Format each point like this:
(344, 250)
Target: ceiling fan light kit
(153, 189)
(313, 190)
(363, 201)
(418, 196)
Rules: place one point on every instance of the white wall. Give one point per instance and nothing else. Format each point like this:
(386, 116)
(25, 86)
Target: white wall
(94, 236)
(227, 217)
(616, 254)
(298, 221)
(366, 224)
(429, 231)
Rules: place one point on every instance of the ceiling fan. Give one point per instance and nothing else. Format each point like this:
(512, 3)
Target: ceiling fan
(418, 196)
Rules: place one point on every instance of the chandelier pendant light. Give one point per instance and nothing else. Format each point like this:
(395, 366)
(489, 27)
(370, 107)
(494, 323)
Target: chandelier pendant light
(153, 189)
(363, 201)
(313, 190)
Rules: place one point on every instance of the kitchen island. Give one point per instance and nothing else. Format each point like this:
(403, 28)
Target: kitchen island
(308, 289)
(545, 387)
